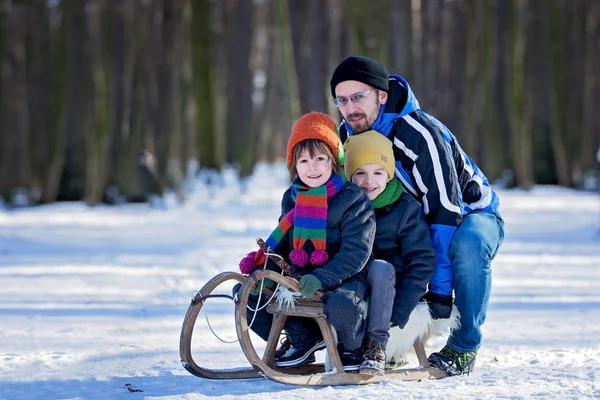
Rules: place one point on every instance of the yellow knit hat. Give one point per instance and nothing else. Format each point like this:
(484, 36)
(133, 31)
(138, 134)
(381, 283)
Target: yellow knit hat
(370, 147)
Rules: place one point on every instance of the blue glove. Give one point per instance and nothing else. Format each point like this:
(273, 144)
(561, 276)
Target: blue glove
(309, 284)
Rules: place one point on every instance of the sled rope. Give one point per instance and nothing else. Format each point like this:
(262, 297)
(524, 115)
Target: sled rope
(199, 298)
(262, 283)
(260, 293)
(214, 333)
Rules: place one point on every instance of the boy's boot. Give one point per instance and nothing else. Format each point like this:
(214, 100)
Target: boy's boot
(373, 359)
(351, 359)
(299, 346)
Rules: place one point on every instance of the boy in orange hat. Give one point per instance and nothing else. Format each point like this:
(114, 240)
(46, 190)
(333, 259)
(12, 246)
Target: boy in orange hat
(326, 229)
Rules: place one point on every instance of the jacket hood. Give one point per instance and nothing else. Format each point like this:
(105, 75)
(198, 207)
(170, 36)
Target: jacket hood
(401, 101)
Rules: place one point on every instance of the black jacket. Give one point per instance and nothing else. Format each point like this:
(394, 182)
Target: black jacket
(402, 238)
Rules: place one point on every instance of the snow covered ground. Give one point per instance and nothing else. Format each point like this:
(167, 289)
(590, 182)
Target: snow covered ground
(92, 299)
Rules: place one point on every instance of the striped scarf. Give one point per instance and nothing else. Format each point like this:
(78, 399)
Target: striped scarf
(309, 222)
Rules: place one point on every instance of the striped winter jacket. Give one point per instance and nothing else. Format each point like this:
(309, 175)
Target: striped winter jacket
(434, 169)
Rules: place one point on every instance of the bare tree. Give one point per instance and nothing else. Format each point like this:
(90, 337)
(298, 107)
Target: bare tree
(238, 16)
(557, 84)
(520, 127)
(203, 61)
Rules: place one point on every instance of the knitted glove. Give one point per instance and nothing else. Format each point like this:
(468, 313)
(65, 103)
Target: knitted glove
(252, 261)
(440, 306)
(309, 284)
(269, 284)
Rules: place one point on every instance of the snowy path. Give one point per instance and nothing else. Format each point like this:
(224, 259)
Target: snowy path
(93, 299)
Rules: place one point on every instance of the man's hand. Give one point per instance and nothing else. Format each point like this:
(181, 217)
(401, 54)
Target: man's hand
(440, 306)
(309, 284)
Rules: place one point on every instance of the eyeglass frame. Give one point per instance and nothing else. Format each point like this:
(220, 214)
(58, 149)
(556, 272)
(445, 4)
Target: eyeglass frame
(350, 98)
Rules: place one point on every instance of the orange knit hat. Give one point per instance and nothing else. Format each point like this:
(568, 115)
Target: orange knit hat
(315, 125)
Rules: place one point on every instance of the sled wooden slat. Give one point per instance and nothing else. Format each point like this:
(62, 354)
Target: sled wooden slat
(421, 355)
(185, 340)
(334, 356)
(309, 311)
(276, 328)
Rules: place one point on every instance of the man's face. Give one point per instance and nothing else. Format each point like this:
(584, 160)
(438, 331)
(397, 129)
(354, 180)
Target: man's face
(363, 113)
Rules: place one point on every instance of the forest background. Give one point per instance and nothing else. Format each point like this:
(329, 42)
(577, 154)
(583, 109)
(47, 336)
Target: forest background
(114, 100)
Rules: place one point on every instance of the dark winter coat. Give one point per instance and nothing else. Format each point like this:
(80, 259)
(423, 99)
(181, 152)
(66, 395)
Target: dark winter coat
(402, 239)
(350, 235)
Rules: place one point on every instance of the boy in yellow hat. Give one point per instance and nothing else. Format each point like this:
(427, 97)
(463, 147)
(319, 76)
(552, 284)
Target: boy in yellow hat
(404, 256)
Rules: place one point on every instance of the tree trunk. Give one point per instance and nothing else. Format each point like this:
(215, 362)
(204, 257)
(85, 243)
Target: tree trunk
(165, 84)
(338, 44)
(120, 49)
(557, 84)
(240, 149)
(428, 84)
(520, 122)
(591, 87)
(4, 142)
(17, 99)
(77, 98)
(316, 65)
(500, 92)
(487, 155)
(57, 127)
(203, 62)
(400, 60)
(297, 11)
(263, 65)
(133, 17)
(288, 67)
(98, 116)
(469, 123)
(587, 148)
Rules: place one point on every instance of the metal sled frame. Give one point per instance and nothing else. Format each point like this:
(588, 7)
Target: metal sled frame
(305, 375)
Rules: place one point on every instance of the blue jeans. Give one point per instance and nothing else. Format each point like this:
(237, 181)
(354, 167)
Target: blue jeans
(382, 283)
(472, 249)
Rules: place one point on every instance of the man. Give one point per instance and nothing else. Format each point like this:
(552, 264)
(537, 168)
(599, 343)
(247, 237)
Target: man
(460, 207)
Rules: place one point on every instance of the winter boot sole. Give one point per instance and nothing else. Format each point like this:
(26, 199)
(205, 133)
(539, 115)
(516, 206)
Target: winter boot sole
(304, 359)
(440, 362)
(369, 367)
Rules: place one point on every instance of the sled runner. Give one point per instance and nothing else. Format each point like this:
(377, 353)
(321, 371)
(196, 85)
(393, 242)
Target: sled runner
(308, 374)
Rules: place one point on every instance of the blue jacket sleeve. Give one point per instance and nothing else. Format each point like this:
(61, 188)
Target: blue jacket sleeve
(435, 179)
(443, 277)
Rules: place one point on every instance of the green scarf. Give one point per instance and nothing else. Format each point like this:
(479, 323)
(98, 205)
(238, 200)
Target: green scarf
(391, 193)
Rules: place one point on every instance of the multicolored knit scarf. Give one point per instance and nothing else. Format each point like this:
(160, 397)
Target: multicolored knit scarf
(390, 194)
(309, 222)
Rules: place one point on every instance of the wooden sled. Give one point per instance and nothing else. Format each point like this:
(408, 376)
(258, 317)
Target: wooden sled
(305, 375)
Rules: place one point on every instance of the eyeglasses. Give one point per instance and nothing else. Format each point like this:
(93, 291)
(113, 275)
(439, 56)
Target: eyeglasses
(356, 98)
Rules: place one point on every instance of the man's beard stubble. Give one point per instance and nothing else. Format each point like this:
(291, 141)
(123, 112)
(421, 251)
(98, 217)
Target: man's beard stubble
(369, 120)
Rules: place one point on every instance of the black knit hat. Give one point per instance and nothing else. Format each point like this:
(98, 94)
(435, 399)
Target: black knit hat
(362, 69)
